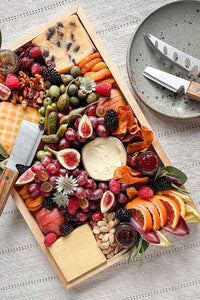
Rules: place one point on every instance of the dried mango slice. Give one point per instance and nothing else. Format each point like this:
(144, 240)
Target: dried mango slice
(128, 179)
(136, 147)
(119, 172)
(98, 66)
(147, 135)
(131, 192)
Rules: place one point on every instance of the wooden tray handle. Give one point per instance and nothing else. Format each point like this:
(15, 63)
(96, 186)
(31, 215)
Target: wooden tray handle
(7, 180)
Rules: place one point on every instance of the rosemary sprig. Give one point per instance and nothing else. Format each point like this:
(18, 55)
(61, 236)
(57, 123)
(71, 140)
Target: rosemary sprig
(139, 247)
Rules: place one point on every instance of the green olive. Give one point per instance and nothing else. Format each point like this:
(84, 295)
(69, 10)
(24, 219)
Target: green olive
(92, 97)
(36, 162)
(48, 153)
(78, 81)
(42, 111)
(62, 88)
(82, 94)
(47, 101)
(54, 92)
(41, 120)
(46, 93)
(40, 154)
(75, 71)
(72, 90)
(66, 78)
(74, 101)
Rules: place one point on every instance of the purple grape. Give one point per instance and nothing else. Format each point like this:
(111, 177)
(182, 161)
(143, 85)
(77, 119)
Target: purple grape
(97, 194)
(103, 186)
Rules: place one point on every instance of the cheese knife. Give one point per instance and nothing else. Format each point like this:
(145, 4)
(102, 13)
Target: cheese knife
(23, 152)
(174, 83)
(174, 55)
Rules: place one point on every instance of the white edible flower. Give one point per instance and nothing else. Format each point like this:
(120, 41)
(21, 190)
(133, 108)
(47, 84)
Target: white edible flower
(60, 199)
(66, 185)
(87, 84)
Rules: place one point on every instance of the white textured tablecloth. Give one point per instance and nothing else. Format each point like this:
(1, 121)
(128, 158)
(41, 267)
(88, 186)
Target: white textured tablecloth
(167, 273)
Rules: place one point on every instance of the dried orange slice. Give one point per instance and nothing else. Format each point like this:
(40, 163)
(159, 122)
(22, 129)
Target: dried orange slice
(142, 215)
(179, 201)
(153, 210)
(173, 211)
(161, 209)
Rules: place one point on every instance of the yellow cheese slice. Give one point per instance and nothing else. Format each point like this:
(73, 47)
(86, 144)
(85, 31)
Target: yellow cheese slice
(64, 44)
(77, 253)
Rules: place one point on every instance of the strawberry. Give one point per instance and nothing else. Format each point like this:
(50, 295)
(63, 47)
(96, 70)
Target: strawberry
(104, 89)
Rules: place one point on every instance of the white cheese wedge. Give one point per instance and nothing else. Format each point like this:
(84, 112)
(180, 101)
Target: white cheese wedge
(77, 253)
(102, 156)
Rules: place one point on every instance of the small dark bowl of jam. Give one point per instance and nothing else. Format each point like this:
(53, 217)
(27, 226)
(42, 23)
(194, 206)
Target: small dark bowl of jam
(126, 235)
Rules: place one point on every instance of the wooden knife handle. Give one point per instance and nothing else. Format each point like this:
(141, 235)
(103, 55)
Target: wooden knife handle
(7, 180)
(193, 91)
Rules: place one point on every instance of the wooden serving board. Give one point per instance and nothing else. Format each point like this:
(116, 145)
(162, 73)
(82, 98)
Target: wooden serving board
(29, 218)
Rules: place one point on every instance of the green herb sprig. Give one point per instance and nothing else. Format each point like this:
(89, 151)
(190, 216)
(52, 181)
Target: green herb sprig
(3, 158)
(139, 247)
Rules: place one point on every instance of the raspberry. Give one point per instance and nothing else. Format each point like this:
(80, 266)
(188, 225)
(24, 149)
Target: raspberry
(72, 205)
(114, 186)
(104, 89)
(81, 216)
(35, 53)
(145, 192)
(12, 81)
(36, 69)
(26, 63)
(97, 216)
(49, 239)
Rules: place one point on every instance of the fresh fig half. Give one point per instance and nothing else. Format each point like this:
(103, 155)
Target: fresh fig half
(181, 228)
(150, 237)
(26, 177)
(85, 128)
(69, 158)
(107, 201)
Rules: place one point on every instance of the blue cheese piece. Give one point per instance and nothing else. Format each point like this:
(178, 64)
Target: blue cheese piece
(77, 253)
(64, 44)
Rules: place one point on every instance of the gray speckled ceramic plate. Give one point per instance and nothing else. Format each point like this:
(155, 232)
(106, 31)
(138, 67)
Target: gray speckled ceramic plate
(178, 24)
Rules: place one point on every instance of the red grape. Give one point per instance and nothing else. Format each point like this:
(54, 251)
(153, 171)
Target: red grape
(102, 185)
(94, 187)
(123, 187)
(81, 179)
(88, 193)
(91, 110)
(70, 134)
(60, 115)
(63, 172)
(64, 144)
(75, 172)
(81, 216)
(89, 183)
(52, 180)
(97, 194)
(80, 193)
(93, 205)
(94, 121)
(37, 168)
(36, 178)
(79, 138)
(45, 160)
(100, 121)
(76, 123)
(101, 130)
(45, 194)
(54, 147)
(121, 198)
(52, 168)
(33, 190)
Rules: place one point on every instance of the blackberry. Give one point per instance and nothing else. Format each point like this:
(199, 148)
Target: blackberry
(21, 169)
(123, 214)
(48, 202)
(52, 75)
(65, 229)
(161, 184)
(111, 119)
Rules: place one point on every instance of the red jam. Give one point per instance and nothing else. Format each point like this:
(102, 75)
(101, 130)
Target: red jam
(125, 235)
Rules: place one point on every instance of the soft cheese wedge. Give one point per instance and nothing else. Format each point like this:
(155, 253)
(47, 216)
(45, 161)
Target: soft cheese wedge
(77, 253)
(64, 44)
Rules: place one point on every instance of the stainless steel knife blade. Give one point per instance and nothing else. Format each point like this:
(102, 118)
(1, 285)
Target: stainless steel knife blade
(174, 83)
(174, 55)
(26, 144)
(23, 151)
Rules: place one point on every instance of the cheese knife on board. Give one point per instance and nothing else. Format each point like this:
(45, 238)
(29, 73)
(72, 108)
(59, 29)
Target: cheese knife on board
(23, 152)
(174, 83)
